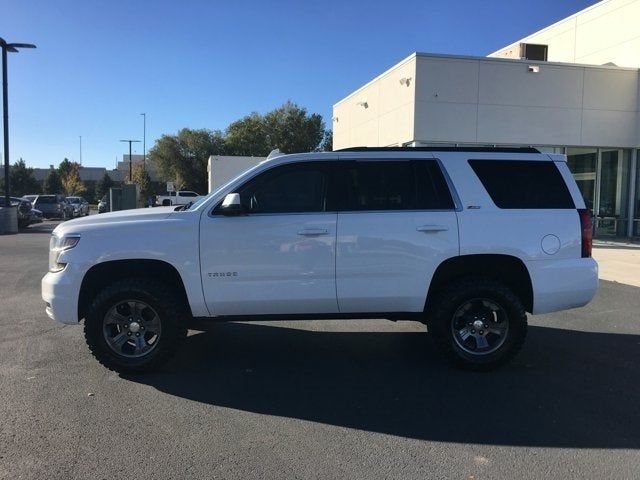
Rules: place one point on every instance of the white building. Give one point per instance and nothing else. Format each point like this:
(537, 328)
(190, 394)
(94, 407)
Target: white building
(541, 91)
(222, 168)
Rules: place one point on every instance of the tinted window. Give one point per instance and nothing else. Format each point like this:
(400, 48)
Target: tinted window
(523, 184)
(286, 189)
(431, 187)
(188, 194)
(395, 185)
(47, 199)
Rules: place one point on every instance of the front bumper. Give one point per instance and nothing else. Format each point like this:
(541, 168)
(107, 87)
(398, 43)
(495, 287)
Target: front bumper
(61, 291)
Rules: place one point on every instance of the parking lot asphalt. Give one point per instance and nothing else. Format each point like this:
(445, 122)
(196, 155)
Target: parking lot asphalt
(361, 399)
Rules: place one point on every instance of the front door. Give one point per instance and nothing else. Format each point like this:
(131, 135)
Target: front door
(278, 257)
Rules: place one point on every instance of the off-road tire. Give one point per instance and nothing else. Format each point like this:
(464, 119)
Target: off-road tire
(161, 298)
(446, 302)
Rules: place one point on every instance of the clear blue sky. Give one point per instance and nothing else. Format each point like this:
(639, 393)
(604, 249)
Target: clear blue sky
(204, 64)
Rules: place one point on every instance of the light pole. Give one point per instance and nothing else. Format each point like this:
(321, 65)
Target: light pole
(13, 48)
(144, 140)
(130, 158)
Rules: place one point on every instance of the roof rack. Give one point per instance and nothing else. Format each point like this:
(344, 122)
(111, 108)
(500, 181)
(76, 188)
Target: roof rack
(442, 149)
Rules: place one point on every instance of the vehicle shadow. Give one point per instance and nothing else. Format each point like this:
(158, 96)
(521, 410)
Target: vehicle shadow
(566, 389)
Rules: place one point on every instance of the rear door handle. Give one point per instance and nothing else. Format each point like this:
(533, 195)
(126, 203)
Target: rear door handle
(432, 228)
(309, 232)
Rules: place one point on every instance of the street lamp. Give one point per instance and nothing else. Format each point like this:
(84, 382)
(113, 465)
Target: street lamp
(13, 48)
(130, 159)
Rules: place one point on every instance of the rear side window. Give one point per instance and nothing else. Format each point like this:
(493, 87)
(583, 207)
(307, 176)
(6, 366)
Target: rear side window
(520, 184)
(394, 185)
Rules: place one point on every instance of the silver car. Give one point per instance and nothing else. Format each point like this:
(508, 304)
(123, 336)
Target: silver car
(80, 206)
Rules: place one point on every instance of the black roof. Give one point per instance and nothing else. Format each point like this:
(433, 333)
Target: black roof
(442, 149)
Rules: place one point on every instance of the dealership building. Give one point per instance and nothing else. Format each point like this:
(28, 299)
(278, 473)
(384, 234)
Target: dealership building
(570, 88)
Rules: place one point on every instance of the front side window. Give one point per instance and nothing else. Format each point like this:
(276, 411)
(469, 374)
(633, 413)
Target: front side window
(286, 189)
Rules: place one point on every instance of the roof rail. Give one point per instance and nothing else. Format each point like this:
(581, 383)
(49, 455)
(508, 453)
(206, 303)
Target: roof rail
(442, 149)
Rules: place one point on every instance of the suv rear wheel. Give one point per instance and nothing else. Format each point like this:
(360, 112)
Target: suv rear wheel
(478, 323)
(135, 325)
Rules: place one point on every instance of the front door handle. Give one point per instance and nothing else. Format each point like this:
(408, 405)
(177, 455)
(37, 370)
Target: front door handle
(432, 228)
(309, 232)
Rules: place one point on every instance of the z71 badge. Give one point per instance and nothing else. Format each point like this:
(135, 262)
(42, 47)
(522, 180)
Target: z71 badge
(222, 274)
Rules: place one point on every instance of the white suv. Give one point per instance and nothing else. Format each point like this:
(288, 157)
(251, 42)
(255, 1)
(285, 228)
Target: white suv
(464, 240)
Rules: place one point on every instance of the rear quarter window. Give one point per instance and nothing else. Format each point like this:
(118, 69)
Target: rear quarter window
(523, 184)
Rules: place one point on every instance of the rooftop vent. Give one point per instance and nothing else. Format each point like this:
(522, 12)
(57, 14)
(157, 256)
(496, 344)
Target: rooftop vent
(533, 51)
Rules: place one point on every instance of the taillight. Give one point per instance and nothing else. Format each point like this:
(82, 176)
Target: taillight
(587, 231)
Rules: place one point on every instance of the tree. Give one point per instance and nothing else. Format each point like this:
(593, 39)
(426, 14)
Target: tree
(21, 180)
(183, 158)
(52, 182)
(288, 128)
(247, 137)
(70, 178)
(65, 168)
(103, 185)
(327, 142)
(141, 177)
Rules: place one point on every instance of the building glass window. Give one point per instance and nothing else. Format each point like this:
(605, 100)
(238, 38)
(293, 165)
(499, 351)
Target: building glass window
(603, 178)
(636, 220)
(612, 212)
(583, 165)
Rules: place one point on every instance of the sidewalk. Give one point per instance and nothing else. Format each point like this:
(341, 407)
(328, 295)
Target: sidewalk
(618, 261)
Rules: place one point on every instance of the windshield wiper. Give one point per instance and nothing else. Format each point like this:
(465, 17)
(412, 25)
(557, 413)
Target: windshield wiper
(187, 206)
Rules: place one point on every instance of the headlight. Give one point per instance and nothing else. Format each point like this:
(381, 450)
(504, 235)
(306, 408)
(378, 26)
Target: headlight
(57, 245)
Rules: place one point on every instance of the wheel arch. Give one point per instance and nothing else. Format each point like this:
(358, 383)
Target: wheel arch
(105, 273)
(507, 269)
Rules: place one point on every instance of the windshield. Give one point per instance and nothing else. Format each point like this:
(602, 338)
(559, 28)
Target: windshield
(46, 199)
(73, 199)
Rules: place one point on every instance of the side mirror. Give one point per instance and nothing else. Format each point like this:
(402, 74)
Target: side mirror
(231, 205)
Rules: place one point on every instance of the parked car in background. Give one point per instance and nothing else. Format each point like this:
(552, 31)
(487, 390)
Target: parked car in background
(24, 208)
(80, 206)
(35, 216)
(54, 206)
(103, 205)
(181, 197)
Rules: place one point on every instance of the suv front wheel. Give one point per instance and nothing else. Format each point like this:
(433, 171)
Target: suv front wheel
(135, 325)
(478, 323)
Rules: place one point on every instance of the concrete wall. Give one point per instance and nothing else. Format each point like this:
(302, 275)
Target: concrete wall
(479, 100)
(455, 99)
(380, 113)
(606, 32)
(223, 168)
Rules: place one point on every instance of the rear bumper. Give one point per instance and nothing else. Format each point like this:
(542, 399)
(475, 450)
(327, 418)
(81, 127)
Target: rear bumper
(562, 284)
(61, 291)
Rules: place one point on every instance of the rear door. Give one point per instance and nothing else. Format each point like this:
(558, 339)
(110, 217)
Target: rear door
(397, 223)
